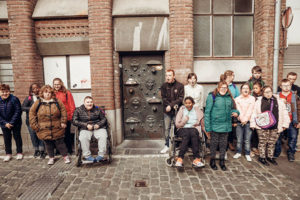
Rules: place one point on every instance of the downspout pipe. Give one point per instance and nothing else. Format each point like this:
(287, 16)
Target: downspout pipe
(276, 44)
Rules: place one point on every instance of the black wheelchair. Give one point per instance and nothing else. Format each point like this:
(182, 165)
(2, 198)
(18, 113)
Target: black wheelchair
(174, 146)
(93, 147)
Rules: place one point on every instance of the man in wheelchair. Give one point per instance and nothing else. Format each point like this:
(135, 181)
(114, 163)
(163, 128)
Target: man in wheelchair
(91, 121)
(189, 120)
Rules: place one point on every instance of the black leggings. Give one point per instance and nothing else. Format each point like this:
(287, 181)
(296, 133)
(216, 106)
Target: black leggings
(189, 135)
(59, 144)
(218, 140)
(69, 138)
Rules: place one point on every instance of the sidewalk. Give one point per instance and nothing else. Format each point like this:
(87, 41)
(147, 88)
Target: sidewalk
(34, 179)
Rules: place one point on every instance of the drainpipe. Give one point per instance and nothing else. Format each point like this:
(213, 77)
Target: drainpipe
(276, 44)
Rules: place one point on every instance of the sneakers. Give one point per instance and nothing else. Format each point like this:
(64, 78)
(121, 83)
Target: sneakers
(225, 156)
(99, 158)
(291, 157)
(248, 158)
(43, 155)
(19, 156)
(36, 154)
(197, 163)
(165, 149)
(51, 161)
(179, 162)
(237, 155)
(67, 159)
(263, 161)
(7, 158)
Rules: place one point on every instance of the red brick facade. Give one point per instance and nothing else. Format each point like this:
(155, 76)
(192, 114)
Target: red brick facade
(181, 37)
(101, 52)
(27, 63)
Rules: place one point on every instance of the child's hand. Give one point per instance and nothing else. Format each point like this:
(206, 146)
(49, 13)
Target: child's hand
(234, 114)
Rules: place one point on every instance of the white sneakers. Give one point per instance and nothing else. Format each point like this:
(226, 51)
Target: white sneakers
(7, 158)
(19, 156)
(67, 160)
(237, 155)
(248, 158)
(165, 149)
(51, 161)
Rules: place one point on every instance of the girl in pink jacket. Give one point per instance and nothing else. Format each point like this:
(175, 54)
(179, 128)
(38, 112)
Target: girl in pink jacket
(245, 104)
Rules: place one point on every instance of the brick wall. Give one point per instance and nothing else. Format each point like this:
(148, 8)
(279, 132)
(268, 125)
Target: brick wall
(264, 19)
(27, 64)
(61, 28)
(4, 34)
(101, 52)
(181, 38)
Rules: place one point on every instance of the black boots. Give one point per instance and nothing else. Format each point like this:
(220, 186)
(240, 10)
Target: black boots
(213, 164)
(43, 155)
(272, 160)
(37, 153)
(263, 161)
(291, 157)
(222, 164)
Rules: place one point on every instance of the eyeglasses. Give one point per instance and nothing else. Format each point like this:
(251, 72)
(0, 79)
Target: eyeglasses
(286, 86)
(267, 92)
(223, 88)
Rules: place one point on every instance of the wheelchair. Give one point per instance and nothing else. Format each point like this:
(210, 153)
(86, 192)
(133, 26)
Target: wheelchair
(174, 146)
(93, 147)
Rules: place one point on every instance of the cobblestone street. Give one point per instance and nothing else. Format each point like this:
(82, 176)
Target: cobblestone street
(243, 180)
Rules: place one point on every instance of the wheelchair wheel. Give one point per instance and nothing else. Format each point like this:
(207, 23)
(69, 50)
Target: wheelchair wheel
(170, 161)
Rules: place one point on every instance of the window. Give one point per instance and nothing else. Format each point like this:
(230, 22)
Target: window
(223, 28)
(6, 73)
(74, 72)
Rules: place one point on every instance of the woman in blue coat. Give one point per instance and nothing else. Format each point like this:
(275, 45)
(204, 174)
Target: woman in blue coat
(10, 121)
(218, 121)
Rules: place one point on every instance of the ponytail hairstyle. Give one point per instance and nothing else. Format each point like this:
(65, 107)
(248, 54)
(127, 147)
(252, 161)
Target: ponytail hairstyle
(62, 86)
(227, 73)
(215, 92)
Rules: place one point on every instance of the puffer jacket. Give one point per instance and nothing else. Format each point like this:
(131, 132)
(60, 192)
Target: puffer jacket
(10, 111)
(82, 117)
(283, 115)
(46, 120)
(68, 101)
(218, 113)
(27, 103)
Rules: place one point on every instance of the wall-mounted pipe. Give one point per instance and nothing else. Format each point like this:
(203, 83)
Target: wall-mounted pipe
(276, 44)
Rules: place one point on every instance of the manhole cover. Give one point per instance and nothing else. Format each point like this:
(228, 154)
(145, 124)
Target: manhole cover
(140, 184)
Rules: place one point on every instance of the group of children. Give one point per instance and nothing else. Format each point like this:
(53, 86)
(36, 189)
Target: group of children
(257, 98)
(256, 115)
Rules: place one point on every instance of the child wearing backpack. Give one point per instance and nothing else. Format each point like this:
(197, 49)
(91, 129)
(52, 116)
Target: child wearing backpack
(48, 118)
(228, 77)
(289, 98)
(217, 118)
(268, 128)
(38, 145)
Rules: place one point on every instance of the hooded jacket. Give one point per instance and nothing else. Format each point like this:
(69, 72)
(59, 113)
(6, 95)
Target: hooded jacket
(47, 119)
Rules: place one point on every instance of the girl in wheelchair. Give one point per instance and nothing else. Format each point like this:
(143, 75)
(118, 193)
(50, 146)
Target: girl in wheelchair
(91, 121)
(189, 120)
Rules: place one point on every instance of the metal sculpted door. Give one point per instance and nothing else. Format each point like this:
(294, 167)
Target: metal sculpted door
(142, 104)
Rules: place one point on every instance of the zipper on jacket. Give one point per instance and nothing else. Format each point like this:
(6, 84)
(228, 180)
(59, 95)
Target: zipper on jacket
(50, 122)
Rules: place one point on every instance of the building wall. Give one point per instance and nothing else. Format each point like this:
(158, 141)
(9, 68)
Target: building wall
(27, 63)
(264, 38)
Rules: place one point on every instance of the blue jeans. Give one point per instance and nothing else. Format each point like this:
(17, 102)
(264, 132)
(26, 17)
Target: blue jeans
(292, 141)
(168, 120)
(243, 134)
(36, 142)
